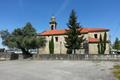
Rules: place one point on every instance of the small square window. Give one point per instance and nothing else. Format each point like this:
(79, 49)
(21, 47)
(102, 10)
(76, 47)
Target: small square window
(56, 38)
(95, 35)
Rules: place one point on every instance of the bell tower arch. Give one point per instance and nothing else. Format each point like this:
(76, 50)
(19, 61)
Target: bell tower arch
(53, 23)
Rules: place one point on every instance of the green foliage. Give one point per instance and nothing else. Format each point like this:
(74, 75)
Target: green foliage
(73, 40)
(117, 66)
(102, 44)
(51, 46)
(116, 44)
(4, 35)
(23, 38)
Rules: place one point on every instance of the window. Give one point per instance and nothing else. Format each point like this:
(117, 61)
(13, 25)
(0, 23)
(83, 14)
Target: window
(95, 35)
(52, 27)
(56, 38)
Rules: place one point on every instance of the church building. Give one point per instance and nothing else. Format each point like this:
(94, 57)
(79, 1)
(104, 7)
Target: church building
(90, 46)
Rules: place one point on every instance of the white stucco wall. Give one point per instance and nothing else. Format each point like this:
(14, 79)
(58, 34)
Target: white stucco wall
(93, 48)
(91, 34)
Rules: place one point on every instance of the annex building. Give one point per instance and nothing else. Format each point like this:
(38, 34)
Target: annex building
(90, 46)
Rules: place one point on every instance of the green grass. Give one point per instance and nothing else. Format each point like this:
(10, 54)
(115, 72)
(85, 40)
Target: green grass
(116, 71)
(117, 67)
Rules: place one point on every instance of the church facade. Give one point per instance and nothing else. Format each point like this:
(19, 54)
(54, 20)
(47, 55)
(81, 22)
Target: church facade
(90, 46)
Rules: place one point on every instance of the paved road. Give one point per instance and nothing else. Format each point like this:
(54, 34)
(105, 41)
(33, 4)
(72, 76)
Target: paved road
(56, 70)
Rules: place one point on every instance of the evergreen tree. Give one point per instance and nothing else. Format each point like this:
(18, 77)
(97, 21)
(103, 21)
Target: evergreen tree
(116, 44)
(102, 44)
(74, 37)
(51, 46)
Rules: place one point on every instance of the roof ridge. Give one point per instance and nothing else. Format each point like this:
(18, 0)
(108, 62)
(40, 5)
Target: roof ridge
(62, 31)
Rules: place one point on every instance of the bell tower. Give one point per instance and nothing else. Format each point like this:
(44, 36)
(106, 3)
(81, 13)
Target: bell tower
(53, 23)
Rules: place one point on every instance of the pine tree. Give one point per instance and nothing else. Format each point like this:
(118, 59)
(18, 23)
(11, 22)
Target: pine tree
(74, 38)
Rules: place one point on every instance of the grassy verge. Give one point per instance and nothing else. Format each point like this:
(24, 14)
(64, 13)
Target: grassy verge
(116, 71)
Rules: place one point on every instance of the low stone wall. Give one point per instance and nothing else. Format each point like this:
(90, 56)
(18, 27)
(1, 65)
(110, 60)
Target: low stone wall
(93, 57)
(89, 57)
(102, 57)
(5, 56)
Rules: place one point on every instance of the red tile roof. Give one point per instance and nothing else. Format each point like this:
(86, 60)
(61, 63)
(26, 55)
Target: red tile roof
(61, 32)
(93, 40)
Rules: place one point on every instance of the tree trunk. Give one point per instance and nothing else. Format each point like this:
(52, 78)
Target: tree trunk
(74, 51)
(26, 53)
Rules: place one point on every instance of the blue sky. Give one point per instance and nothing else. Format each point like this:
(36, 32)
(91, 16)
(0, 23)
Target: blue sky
(91, 13)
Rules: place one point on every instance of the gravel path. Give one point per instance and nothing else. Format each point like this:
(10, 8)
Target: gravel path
(56, 70)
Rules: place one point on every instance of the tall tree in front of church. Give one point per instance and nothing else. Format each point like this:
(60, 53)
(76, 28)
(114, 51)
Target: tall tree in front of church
(51, 45)
(102, 44)
(74, 37)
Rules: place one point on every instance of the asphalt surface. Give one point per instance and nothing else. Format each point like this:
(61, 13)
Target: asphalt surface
(56, 70)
